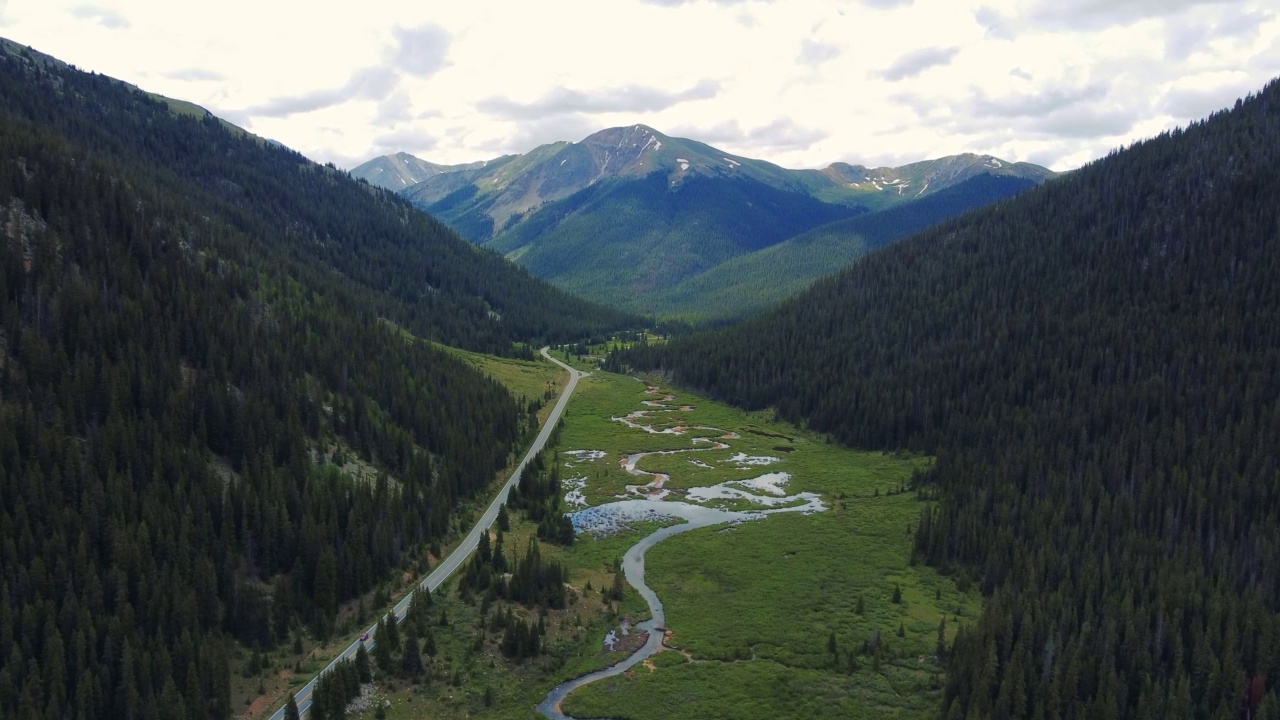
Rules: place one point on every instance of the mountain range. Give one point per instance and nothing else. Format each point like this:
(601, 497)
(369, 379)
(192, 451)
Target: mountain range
(1095, 365)
(199, 328)
(635, 218)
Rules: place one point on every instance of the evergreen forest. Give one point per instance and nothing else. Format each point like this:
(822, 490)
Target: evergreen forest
(201, 333)
(747, 284)
(1095, 365)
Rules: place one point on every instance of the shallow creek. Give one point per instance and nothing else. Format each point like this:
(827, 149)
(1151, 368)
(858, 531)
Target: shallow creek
(611, 517)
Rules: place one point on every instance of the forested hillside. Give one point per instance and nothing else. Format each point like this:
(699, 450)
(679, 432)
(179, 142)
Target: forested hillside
(620, 242)
(404, 264)
(1096, 366)
(643, 221)
(192, 341)
(749, 283)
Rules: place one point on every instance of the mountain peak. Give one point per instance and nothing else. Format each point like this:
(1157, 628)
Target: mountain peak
(401, 170)
(501, 194)
(921, 178)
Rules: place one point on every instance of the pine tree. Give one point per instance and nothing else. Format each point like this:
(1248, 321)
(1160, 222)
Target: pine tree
(363, 669)
(940, 647)
(291, 709)
(411, 663)
(382, 651)
(619, 589)
(392, 632)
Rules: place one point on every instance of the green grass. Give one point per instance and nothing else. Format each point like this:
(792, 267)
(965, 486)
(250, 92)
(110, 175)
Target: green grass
(751, 689)
(527, 380)
(775, 589)
(750, 607)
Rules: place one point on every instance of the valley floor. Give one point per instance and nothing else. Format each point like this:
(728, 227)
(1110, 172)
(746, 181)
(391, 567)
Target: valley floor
(788, 615)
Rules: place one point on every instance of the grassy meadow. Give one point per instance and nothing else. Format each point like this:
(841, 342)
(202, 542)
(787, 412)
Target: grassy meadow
(751, 608)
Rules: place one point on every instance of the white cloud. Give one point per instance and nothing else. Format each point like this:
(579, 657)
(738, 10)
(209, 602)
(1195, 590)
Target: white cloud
(421, 51)
(1199, 96)
(194, 75)
(368, 83)
(1096, 14)
(780, 133)
(678, 3)
(816, 53)
(917, 61)
(104, 16)
(563, 100)
(801, 83)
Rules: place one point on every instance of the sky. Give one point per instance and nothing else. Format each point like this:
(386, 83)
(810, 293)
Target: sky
(801, 83)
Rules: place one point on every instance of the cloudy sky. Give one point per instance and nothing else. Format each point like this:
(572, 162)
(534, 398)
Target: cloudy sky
(802, 83)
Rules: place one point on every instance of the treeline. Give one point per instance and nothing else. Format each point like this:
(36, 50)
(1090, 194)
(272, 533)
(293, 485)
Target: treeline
(394, 260)
(175, 376)
(336, 689)
(538, 494)
(1096, 366)
(528, 580)
(749, 284)
(405, 649)
(622, 241)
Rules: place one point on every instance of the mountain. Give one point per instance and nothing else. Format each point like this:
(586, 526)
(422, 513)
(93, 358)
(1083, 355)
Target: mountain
(628, 213)
(501, 197)
(884, 187)
(492, 199)
(200, 333)
(401, 170)
(1094, 365)
(619, 242)
(750, 283)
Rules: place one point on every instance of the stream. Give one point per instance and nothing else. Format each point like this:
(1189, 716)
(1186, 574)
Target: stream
(654, 505)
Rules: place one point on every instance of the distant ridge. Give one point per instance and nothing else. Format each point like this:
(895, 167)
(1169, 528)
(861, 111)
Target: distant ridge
(628, 213)
(500, 192)
(401, 170)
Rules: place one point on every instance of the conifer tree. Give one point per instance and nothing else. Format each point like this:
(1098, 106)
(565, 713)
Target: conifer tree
(363, 669)
(411, 662)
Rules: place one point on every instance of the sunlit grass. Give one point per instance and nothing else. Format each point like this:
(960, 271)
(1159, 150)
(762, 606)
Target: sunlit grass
(753, 605)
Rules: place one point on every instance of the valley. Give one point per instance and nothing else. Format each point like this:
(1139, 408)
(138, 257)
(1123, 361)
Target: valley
(772, 542)
(673, 228)
(620, 424)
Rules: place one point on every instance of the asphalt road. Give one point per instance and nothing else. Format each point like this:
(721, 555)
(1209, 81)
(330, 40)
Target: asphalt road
(464, 550)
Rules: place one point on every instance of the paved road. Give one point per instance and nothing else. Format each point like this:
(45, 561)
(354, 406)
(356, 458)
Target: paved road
(463, 551)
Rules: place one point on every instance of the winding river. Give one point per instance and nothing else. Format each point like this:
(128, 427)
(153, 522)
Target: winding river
(653, 504)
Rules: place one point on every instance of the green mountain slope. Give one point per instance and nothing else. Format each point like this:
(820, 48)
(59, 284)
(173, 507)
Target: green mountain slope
(408, 266)
(401, 170)
(750, 283)
(618, 242)
(197, 333)
(885, 187)
(1095, 366)
(483, 203)
(628, 214)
